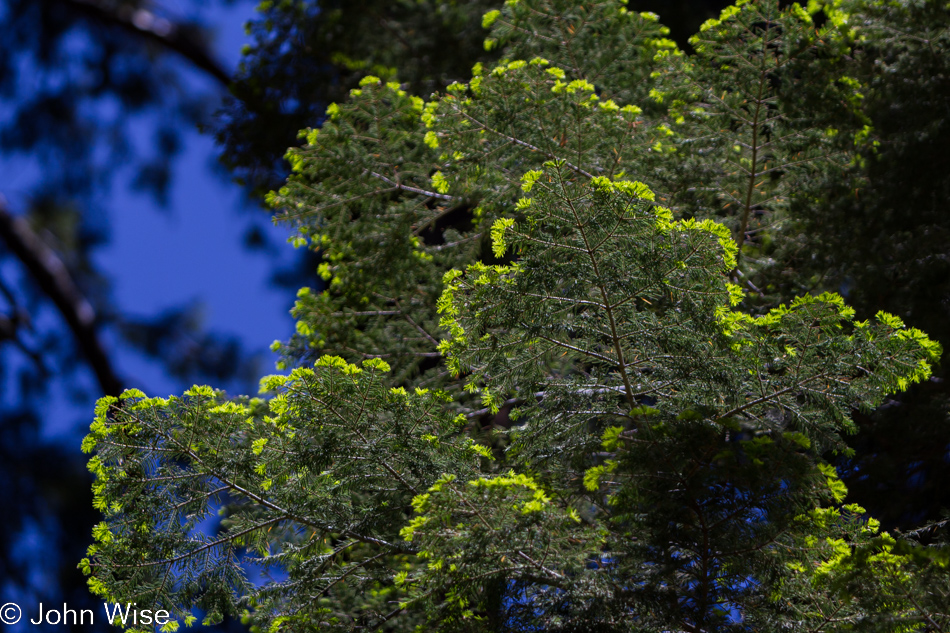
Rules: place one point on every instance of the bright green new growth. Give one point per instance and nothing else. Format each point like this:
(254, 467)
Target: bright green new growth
(543, 242)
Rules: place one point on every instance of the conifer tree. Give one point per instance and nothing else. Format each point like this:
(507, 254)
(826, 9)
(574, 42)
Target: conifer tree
(543, 239)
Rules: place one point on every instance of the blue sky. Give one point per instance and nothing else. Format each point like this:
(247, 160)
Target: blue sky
(159, 258)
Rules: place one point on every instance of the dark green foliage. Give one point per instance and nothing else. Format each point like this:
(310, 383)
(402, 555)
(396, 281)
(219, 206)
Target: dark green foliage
(674, 408)
(336, 452)
(702, 489)
(308, 54)
(880, 230)
(603, 42)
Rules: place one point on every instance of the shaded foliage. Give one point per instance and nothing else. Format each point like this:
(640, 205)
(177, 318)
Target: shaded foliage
(307, 55)
(674, 410)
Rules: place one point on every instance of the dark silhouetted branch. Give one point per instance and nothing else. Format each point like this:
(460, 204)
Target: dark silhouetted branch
(163, 32)
(54, 280)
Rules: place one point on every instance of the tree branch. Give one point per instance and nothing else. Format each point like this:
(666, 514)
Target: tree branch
(143, 23)
(51, 275)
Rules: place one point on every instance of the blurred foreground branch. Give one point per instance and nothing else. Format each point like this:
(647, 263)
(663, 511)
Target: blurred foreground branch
(52, 277)
(142, 22)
